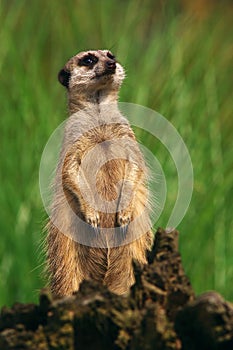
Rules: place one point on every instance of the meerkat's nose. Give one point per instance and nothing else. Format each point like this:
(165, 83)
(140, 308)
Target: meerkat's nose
(110, 65)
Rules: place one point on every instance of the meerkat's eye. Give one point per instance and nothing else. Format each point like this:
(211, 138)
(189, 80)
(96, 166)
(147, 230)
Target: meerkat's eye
(88, 60)
(110, 55)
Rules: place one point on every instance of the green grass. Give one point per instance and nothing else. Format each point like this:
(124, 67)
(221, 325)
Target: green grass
(176, 65)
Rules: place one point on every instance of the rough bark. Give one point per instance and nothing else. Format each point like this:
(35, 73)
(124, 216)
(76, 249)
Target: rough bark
(160, 312)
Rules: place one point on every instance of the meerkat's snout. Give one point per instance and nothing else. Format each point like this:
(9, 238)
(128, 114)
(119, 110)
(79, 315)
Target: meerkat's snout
(107, 68)
(106, 65)
(110, 66)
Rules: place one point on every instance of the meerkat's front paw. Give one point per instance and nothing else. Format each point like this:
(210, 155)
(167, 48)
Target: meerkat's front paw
(93, 218)
(123, 220)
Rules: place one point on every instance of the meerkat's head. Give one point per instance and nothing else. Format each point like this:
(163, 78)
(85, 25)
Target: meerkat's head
(92, 71)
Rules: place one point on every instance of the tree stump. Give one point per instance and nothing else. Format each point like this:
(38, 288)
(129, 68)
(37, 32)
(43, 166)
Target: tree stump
(160, 312)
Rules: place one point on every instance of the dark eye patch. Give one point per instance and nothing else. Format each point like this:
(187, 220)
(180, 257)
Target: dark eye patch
(110, 55)
(88, 60)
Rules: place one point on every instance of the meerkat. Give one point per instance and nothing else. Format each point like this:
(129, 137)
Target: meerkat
(99, 221)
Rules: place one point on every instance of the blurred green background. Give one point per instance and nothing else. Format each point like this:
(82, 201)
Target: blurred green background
(177, 57)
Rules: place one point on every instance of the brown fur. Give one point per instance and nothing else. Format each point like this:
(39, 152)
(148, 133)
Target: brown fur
(92, 98)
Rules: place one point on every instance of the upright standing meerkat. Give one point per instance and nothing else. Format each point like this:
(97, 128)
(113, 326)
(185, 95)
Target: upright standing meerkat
(99, 221)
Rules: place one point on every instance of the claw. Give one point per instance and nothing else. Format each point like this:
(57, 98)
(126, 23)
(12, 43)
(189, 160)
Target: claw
(94, 221)
(97, 230)
(123, 221)
(124, 229)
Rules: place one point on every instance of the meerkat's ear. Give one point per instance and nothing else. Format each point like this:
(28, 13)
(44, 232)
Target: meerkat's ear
(64, 77)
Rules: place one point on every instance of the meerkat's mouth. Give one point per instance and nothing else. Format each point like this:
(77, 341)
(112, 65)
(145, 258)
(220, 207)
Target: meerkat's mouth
(104, 74)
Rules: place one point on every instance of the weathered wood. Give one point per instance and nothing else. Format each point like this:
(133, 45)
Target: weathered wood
(160, 313)
(206, 323)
